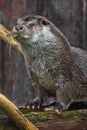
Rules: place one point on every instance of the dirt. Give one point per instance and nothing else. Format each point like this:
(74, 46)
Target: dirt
(69, 120)
(66, 126)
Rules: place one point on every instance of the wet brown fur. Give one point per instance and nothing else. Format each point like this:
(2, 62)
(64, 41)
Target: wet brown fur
(70, 76)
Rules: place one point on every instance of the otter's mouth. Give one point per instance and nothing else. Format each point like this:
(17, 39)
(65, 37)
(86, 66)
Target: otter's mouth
(18, 36)
(15, 35)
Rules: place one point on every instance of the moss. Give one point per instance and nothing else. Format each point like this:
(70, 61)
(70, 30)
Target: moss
(40, 118)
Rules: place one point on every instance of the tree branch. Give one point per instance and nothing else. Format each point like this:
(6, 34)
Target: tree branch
(7, 106)
(6, 36)
(13, 112)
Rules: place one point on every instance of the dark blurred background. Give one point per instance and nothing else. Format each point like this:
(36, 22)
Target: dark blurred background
(70, 16)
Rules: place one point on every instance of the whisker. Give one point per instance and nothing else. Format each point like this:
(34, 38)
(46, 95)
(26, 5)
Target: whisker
(14, 16)
(10, 50)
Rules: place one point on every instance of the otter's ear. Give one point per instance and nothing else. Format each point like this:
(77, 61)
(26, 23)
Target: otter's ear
(42, 22)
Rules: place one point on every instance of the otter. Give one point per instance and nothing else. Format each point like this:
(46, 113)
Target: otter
(57, 69)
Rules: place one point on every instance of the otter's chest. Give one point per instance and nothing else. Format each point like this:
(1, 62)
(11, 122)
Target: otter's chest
(44, 61)
(43, 73)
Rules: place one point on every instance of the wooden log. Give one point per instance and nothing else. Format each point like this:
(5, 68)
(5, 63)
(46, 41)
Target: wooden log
(6, 36)
(14, 113)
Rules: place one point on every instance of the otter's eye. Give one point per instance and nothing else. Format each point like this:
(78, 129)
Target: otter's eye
(30, 25)
(44, 22)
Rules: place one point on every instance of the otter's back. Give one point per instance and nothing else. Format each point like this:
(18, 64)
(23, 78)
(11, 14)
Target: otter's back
(80, 59)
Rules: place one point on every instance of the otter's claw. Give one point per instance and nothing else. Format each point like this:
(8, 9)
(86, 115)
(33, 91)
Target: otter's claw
(27, 106)
(58, 108)
(36, 103)
(49, 108)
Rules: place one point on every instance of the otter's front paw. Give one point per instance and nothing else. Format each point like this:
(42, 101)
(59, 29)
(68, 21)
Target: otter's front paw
(36, 103)
(57, 107)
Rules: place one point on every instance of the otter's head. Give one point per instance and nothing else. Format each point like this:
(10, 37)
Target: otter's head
(33, 28)
(35, 32)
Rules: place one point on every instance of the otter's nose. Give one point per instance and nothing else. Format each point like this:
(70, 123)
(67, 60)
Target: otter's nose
(19, 27)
